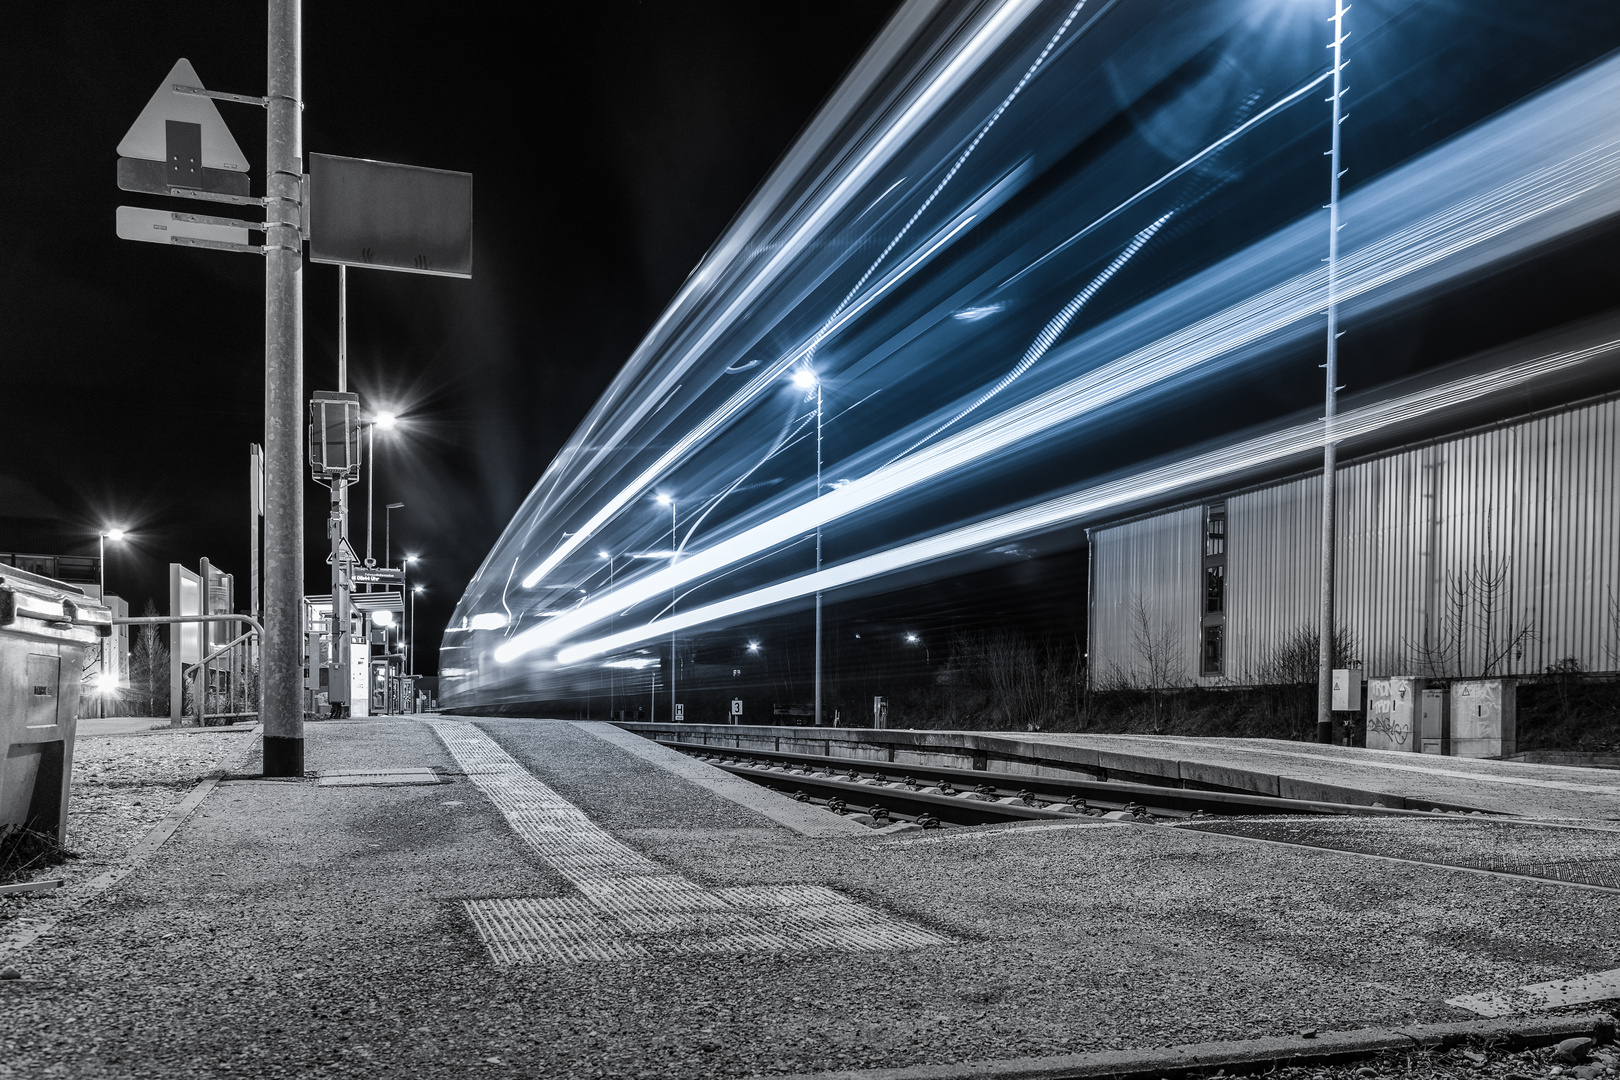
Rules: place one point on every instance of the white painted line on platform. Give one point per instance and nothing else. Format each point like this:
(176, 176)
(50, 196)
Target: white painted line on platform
(632, 906)
(1537, 997)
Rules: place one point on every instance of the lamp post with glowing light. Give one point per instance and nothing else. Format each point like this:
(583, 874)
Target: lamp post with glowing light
(405, 583)
(666, 499)
(116, 535)
(410, 642)
(1324, 674)
(805, 379)
(387, 421)
(612, 676)
(388, 543)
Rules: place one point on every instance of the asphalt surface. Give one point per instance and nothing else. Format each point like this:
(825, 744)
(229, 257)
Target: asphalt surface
(291, 929)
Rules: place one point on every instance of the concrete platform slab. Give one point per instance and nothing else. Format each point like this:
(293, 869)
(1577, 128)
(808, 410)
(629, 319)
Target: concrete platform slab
(293, 929)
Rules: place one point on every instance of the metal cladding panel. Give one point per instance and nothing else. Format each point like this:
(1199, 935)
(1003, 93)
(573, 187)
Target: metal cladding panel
(1156, 561)
(1495, 550)
(1273, 537)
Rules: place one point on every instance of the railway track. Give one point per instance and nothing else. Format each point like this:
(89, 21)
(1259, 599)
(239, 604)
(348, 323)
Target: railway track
(970, 797)
(1585, 857)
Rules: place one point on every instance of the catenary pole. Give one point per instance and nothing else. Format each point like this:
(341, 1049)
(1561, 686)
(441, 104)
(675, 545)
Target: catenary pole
(818, 555)
(674, 553)
(282, 708)
(1325, 658)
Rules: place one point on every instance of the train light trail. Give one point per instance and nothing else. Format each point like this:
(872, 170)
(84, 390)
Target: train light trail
(1113, 496)
(1486, 216)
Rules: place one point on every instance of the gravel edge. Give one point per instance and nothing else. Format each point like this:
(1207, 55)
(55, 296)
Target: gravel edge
(1250, 1055)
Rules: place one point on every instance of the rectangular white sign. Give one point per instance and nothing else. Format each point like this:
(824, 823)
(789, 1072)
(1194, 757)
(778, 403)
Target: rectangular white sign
(164, 226)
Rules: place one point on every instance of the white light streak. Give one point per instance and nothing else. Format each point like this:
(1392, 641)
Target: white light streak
(1401, 254)
(975, 52)
(1105, 498)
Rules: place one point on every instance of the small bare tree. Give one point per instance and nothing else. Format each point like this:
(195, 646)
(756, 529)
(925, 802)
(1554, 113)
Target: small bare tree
(149, 669)
(1157, 664)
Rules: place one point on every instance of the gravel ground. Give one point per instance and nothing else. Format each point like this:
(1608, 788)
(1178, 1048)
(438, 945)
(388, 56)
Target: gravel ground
(122, 785)
(294, 930)
(1462, 1063)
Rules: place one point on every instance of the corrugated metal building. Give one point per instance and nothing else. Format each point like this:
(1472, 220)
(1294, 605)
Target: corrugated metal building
(1493, 552)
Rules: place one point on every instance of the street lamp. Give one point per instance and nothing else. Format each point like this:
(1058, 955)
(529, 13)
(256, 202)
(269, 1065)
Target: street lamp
(107, 685)
(387, 421)
(612, 676)
(914, 639)
(806, 379)
(1324, 673)
(388, 544)
(666, 499)
(410, 645)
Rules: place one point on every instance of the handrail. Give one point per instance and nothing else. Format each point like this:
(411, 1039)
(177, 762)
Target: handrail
(163, 620)
(170, 620)
(201, 700)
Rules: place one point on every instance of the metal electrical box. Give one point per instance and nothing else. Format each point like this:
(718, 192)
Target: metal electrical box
(1484, 718)
(1434, 722)
(1392, 713)
(1347, 689)
(334, 435)
(880, 712)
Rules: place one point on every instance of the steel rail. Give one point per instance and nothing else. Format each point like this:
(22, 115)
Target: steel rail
(1180, 800)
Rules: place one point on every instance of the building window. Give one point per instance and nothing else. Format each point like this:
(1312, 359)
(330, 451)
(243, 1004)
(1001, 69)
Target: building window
(1212, 650)
(1214, 589)
(1212, 619)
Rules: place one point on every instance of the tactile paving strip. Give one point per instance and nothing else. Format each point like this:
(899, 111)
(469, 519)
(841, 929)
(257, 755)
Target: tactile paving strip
(1589, 857)
(631, 906)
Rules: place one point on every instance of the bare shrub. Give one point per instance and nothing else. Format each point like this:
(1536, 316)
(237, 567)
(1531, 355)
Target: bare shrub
(1476, 631)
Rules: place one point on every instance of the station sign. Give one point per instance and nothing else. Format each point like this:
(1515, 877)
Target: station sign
(384, 216)
(376, 575)
(170, 227)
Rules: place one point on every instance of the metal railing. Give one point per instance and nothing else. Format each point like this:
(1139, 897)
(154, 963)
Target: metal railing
(237, 681)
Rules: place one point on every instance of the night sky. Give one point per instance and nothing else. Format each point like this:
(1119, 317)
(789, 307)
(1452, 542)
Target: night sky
(610, 143)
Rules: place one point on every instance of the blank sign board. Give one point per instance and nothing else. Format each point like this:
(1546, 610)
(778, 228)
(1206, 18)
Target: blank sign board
(390, 217)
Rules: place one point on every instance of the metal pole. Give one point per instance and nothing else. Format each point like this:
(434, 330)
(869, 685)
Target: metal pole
(343, 329)
(205, 573)
(612, 676)
(673, 552)
(371, 488)
(101, 661)
(410, 642)
(818, 554)
(1324, 675)
(283, 707)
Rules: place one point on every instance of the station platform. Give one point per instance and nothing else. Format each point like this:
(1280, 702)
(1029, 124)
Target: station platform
(1273, 767)
(449, 897)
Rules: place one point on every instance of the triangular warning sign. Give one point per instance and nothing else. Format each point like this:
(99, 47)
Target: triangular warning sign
(348, 554)
(148, 138)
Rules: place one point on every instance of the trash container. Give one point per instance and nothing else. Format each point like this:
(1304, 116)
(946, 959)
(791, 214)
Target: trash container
(47, 629)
